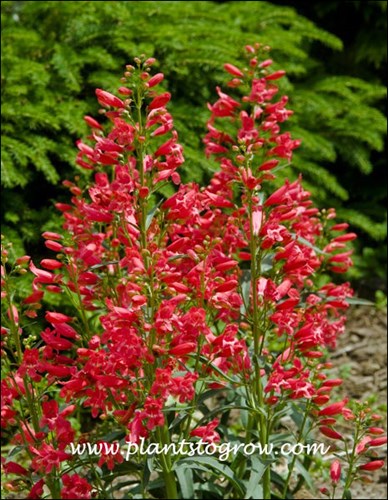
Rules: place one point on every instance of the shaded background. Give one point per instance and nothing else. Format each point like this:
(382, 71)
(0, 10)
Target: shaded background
(54, 54)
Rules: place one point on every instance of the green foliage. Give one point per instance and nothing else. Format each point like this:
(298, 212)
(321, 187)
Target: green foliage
(56, 53)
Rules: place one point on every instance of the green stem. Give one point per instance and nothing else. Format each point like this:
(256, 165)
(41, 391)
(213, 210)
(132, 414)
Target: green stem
(162, 433)
(293, 461)
(13, 326)
(349, 476)
(166, 464)
(31, 407)
(258, 387)
(140, 155)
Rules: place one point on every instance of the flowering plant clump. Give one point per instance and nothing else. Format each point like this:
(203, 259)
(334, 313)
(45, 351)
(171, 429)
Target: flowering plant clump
(188, 325)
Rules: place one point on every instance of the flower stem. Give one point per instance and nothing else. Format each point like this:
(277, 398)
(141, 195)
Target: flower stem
(293, 461)
(166, 464)
(258, 388)
(349, 476)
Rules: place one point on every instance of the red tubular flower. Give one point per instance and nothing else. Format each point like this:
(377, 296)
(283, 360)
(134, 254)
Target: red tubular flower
(109, 100)
(330, 433)
(376, 430)
(56, 317)
(75, 486)
(321, 400)
(374, 465)
(269, 165)
(377, 441)
(53, 245)
(36, 491)
(92, 122)
(276, 75)
(332, 382)
(277, 197)
(266, 63)
(345, 237)
(207, 432)
(362, 445)
(340, 227)
(335, 471)
(230, 68)
(41, 276)
(333, 409)
(48, 235)
(328, 421)
(182, 349)
(14, 468)
(124, 91)
(51, 264)
(159, 101)
(155, 80)
(47, 458)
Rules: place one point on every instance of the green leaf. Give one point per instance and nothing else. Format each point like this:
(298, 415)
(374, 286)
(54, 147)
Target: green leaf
(280, 483)
(214, 367)
(204, 463)
(15, 450)
(254, 488)
(186, 481)
(103, 264)
(355, 301)
(127, 467)
(308, 244)
(305, 474)
(151, 214)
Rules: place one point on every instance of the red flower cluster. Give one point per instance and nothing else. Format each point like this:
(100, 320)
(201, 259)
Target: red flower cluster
(173, 298)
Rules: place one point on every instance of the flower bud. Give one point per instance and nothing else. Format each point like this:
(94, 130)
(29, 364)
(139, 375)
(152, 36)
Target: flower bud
(233, 70)
(335, 471)
(374, 465)
(155, 80)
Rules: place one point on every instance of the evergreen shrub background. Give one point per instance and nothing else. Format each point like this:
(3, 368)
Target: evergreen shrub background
(54, 55)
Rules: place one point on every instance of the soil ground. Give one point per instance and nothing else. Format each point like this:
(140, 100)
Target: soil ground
(361, 360)
(361, 357)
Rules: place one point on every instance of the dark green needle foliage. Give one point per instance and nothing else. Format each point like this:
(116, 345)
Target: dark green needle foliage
(56, 53)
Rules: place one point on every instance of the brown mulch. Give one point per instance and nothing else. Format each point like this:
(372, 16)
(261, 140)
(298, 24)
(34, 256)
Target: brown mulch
(361, 357)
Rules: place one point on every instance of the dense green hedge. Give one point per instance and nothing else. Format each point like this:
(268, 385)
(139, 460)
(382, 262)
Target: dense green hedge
(56, 53)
